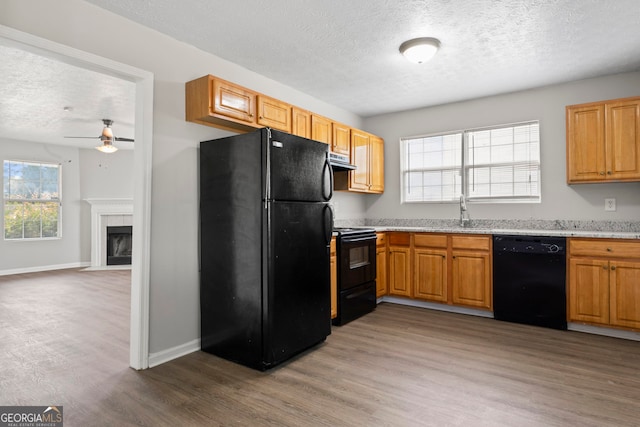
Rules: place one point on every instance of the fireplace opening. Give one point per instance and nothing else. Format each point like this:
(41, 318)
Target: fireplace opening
(119, 244)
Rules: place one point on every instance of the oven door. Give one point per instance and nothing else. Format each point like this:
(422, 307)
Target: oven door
(357, 261)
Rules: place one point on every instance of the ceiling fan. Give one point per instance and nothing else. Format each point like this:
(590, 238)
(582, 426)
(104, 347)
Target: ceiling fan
(106, 137)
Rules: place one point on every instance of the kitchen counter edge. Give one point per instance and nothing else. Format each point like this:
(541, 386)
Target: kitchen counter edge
(545, 233)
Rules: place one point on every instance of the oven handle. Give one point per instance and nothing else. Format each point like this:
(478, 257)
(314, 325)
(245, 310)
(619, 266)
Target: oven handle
(356, 239)
(357, 294)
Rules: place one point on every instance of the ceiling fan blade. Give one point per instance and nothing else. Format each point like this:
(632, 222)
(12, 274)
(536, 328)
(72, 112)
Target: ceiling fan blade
(83, 137)
(123, 139)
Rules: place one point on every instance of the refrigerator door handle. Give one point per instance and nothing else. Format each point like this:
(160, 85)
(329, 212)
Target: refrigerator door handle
(327, 180)
(328, 223)
(267, 180)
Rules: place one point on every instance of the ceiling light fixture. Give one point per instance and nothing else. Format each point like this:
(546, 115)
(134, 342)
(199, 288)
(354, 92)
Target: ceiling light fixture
(420, 50)
(107, 147)
(107, 138)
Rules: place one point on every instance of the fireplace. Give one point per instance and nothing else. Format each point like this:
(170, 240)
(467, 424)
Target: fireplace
(119, 243)
(109, 213)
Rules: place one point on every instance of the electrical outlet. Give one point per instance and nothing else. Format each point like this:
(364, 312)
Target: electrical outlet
(610, 204)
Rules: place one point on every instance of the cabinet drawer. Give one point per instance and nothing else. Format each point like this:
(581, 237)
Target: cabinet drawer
(430, 240)
(381, 239)
(399, 239)
(482, 243)
(604, 248)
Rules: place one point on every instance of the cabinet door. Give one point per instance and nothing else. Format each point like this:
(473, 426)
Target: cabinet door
(430, 274)
(301, 122)
(625, 294)
(399, 271)
(359, 178)
(333, 259)
(321, 129)
(233, 101)
(471, 279)
(274, 114)
(376, 164)
(341, 138)
(585, 143)
(623, 139)
(589, 290)
(381, 271)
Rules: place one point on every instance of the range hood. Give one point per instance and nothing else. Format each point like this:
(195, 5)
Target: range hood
(340, 162)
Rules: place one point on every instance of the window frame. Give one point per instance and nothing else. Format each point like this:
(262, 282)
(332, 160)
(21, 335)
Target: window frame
(466, 166)
(58, 200)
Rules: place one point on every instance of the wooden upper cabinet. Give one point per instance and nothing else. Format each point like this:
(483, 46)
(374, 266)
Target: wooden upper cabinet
(321, 129)
(622, 125)
(341, 142)
(213, 101)
(301, 122)
(603, 141)
(216, 102)
(367, 154)
(376, 164)
(274, 114)
(359, 178)
(233, 101)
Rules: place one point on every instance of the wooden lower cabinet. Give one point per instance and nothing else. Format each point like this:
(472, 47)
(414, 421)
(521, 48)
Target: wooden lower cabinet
(334, 278)
(443, 268)
(589, 290)
(471, 279)
(381, 265)
(604, 282)
(452, 269)
(399, 264)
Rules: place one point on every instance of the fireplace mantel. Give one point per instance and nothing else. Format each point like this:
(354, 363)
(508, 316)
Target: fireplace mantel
(104, 211)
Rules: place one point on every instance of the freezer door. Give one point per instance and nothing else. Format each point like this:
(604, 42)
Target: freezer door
(298, 306)
(298, 168)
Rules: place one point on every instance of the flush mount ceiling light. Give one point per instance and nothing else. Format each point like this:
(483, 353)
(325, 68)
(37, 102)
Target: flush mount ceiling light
(420, 50)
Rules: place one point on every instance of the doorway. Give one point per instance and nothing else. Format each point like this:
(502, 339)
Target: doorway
(139, 324)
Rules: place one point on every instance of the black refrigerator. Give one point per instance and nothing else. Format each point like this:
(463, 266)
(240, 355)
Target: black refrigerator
(265, 231)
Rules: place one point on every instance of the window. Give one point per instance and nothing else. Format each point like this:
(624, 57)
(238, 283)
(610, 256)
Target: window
(490, 164)
(31, 200)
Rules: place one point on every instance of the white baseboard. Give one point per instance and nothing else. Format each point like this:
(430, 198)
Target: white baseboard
(44, 268)
(164, 356)
(608, 332)
(436, 306)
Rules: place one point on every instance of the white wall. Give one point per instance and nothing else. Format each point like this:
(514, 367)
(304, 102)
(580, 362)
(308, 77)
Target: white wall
(547, 104)
(26, 255)
(174, 278)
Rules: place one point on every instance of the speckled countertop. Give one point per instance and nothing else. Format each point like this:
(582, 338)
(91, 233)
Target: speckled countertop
(551, 228)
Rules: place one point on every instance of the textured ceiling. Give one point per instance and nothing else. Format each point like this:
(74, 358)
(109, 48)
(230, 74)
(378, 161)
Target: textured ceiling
(346, 52)
(34, 90)
(343, 52)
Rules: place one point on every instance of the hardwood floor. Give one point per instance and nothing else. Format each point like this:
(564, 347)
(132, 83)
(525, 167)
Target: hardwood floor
(64, 341)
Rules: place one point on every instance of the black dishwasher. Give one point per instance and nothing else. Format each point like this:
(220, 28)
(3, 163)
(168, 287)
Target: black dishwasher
(529, 274)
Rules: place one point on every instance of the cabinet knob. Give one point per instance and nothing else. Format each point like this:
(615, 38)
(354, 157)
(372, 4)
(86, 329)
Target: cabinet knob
(609, 250)
(609, 173)
(613, 267)
(604, 267)
(601, 173)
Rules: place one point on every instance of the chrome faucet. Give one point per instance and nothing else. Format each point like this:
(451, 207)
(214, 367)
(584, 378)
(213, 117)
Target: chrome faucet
(465, 220)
